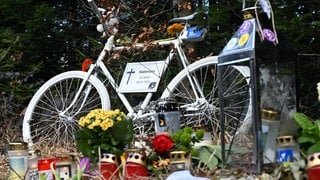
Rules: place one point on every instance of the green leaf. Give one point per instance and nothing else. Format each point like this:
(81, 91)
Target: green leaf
(114, 142)
(199, 134)
(185, 140)
(303, 121)
(208, 156)
(217, 150)
(117, 132)
(42, 176)
(317, 122)
(105, 147)
(312, 131)
(314, 148)
(305, 139)
(194, 152)
(187, 130)
(213, 162)
(176, 136)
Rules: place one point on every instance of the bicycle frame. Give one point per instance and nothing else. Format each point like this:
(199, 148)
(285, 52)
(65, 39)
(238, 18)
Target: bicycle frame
(140, 114)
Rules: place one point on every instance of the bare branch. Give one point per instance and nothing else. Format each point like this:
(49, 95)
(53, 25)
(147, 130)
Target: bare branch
(313, 55)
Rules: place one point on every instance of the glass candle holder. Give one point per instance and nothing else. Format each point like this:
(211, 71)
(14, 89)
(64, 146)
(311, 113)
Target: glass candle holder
(270, 129)
(18, 160)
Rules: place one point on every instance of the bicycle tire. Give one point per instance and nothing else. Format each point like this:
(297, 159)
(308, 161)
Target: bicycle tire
(42, 122)
(237, 100)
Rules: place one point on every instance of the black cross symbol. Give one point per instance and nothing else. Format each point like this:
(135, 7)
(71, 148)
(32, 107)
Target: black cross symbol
(130, 72)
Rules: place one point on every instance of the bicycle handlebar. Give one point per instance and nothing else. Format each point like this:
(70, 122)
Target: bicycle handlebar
(183, 19)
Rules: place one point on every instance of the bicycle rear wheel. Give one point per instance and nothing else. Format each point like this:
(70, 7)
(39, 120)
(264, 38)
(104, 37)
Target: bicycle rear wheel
(43, 121)
(206, 112)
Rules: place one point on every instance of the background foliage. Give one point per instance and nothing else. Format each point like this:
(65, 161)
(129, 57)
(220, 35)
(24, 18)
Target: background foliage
(42, 38)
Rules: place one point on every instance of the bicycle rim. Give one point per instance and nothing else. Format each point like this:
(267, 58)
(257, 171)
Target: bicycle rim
(43, 122)
(206, 112)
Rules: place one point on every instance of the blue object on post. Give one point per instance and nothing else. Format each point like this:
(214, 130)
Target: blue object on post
(194, 34)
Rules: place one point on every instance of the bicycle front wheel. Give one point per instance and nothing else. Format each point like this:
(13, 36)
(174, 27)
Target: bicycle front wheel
(49, 118)
(205, 112)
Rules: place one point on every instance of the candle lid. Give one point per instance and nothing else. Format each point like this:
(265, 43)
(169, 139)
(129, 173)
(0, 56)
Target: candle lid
(18, 146)
(269, 114)
(178, 157)
(286, 140)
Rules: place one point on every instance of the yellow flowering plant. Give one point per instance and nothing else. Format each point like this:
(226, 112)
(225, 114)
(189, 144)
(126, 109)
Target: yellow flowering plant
(109, 130)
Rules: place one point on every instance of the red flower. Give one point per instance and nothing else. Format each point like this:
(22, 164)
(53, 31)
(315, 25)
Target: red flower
(86, 64)
(162, 143)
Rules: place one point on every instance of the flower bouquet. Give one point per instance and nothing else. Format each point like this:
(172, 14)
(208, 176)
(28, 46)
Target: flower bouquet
(108, 131)
(165, 146)
(182, 140)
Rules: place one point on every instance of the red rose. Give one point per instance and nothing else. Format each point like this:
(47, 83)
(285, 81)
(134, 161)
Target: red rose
(162, 143)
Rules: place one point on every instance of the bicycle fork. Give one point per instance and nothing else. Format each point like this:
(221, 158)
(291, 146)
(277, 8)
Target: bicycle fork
(87, 92)
(200, 102)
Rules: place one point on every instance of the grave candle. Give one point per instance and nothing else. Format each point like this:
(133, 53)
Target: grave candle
(18, 160)
(288, 149)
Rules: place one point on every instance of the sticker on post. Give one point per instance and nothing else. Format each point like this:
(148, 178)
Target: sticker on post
(269, 35)
(245, 27)
(243, 39)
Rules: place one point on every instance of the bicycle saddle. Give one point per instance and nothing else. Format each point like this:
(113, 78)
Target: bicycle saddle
(183, 19)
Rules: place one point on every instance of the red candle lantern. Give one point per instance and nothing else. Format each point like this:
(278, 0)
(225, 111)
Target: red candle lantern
(135, 166)
(109, 166)
(44, 167)
(313, 166)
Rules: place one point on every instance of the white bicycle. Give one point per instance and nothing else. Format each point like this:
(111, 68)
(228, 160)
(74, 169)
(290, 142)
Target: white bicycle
(54, 110)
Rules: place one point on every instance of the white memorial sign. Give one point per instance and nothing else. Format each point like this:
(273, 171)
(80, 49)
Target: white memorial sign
(141, 77)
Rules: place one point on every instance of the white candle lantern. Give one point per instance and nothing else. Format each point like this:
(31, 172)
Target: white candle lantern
(18, 160)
